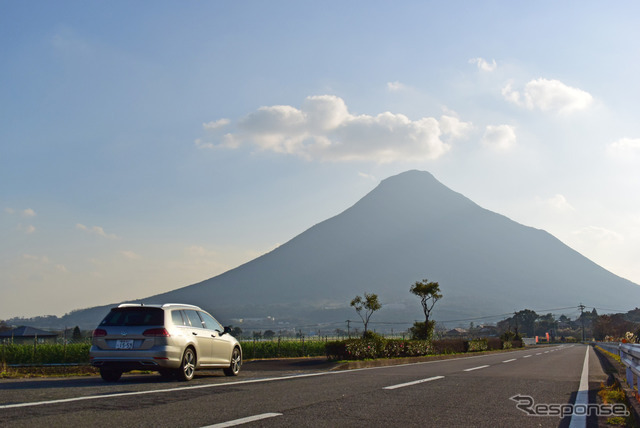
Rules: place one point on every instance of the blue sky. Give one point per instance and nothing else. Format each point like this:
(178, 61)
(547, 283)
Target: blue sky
(150, 145)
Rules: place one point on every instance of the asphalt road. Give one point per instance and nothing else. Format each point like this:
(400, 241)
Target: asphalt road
(461, 392)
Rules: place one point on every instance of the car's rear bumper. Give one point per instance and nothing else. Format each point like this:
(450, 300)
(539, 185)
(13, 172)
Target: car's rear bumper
(150, 359)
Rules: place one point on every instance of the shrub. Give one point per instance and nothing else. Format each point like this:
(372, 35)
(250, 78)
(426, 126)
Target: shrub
(494, 343)
(449, 346)
(282, 348)
(477, 345)
(422, 331)
(362, 349)
(370, 335)
(509, 336)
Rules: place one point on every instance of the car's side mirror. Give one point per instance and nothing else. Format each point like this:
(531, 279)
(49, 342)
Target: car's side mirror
(227, 330)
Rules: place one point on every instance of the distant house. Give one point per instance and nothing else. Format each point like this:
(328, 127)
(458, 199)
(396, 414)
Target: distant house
(27, 335)
(456, 332)
(488, 331)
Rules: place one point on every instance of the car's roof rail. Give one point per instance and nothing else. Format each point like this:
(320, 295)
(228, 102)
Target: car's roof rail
(130, 305)
(181, 304)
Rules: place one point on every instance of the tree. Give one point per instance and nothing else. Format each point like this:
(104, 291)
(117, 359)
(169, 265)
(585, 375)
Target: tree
(546, 324)
(612, 325)
(77, 334)
(370, 304)
(429, 293)
(269, 334)
(525, 321)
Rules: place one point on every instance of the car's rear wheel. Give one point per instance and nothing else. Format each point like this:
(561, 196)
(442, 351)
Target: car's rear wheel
(188, 366)
(236, 363)
(110, 375)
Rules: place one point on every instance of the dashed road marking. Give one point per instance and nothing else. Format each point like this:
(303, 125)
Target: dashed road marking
(415, 382)
(476, 368)
(244, 420)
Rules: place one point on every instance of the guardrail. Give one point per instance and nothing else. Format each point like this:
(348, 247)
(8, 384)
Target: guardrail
(630, 356)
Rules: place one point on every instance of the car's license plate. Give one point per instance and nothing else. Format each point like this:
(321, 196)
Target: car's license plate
(124, 344)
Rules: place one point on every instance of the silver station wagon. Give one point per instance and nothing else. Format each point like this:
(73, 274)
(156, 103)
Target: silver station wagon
(173, 339)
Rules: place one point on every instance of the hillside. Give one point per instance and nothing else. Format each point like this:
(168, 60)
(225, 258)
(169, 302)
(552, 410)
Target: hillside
(408, 228)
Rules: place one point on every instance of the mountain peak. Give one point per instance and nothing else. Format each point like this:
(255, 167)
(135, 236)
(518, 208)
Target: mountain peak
(408, 228)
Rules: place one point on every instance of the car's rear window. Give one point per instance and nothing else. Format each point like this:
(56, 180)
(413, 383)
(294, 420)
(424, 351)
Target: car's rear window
(134, 317)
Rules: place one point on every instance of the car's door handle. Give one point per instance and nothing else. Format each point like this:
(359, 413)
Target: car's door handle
(194, 333)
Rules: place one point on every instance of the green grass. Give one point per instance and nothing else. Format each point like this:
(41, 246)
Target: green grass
(76, 353)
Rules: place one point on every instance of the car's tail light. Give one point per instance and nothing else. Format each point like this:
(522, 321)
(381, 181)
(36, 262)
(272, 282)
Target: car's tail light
(98, 332)
(156, 332)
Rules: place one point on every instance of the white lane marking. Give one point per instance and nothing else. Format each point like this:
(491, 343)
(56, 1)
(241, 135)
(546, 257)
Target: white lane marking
(508, 361)
(156, 391)
(244, 420)
(415, 382)
(539, 353)
(546, 352)
(582, 397)
(526, 356)
(476, 368)
(186, 388)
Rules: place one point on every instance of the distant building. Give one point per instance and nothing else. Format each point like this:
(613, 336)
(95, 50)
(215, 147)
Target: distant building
(456, 332)
(488, 331)
(27, 335)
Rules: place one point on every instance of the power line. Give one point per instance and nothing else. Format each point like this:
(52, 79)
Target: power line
(324, 325)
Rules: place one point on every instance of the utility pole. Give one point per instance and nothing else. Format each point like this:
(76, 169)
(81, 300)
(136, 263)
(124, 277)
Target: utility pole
(581, 307)
(349, 328)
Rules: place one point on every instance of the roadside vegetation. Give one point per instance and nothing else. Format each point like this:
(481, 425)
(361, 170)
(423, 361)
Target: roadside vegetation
(612, 391)
(421, 339)
(421, 343)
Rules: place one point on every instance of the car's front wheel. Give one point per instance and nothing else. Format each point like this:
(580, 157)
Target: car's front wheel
(110, 375)
(188, 366)
(235, 364)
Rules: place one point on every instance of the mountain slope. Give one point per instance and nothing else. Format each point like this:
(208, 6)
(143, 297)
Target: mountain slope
(408, 228)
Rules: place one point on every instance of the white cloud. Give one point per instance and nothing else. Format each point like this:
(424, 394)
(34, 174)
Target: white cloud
(548, 95)
(27, 213)
(560, 203)
(96, 230)
(395, 86)
(625, 149)
(483, 65)
(28, 229)
(499, 137)
(42, 259)
(453, 126)
(599, 234)
(41, 262)
(216, 124)
(324, 129)
(367, 176)
(130, 255)
(196, 258)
